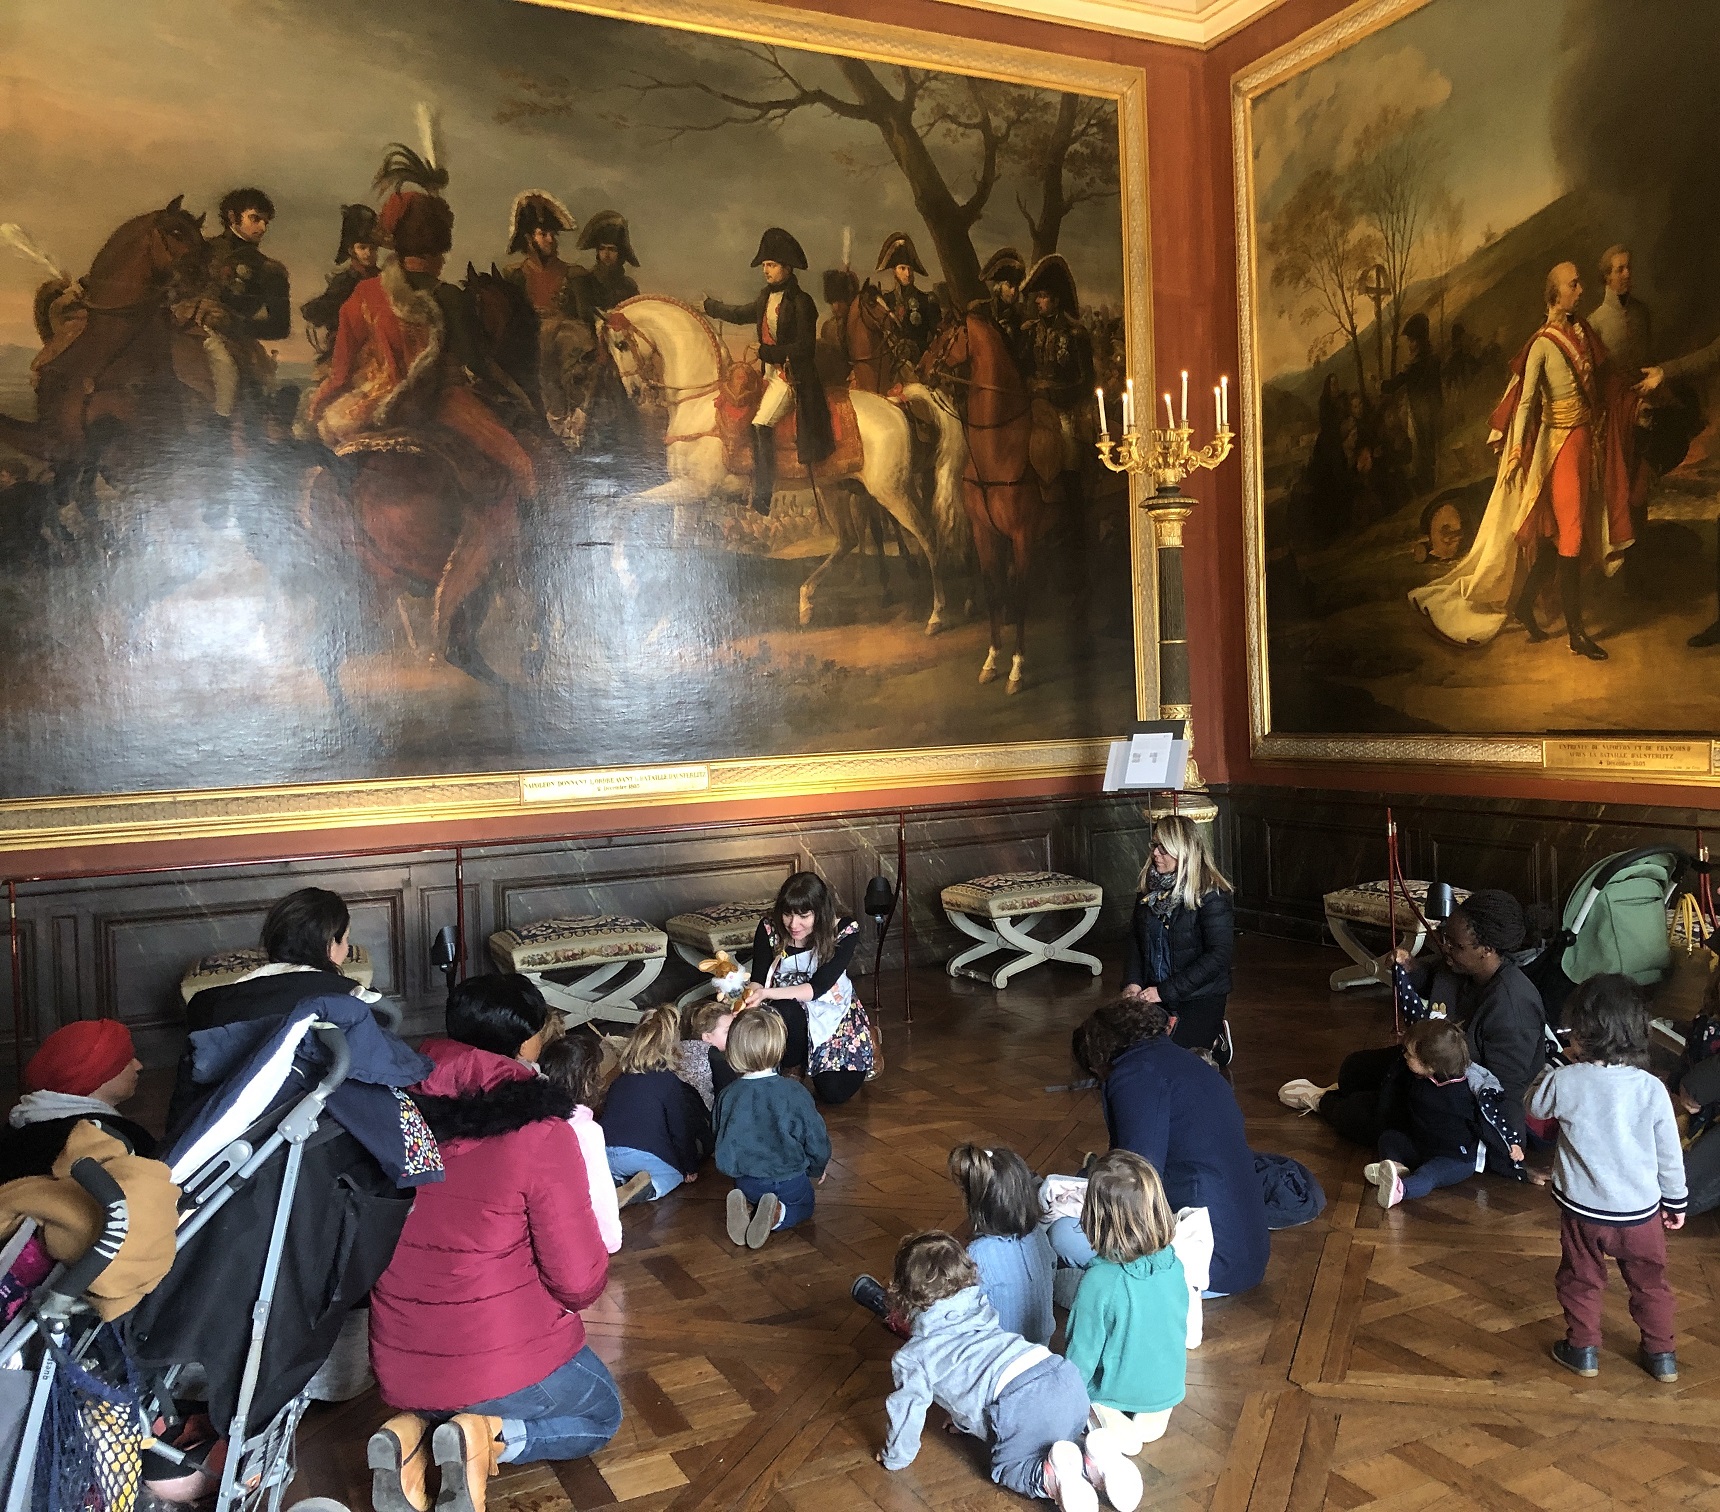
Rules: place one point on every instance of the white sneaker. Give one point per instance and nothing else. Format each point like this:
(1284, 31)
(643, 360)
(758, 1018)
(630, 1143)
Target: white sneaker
(1119, 1425)
(1066, 1479)
(1302, 1095)
(1112, 1471)
(1387, 1179)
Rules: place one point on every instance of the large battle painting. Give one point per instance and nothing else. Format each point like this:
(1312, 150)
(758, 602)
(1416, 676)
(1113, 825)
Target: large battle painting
(480, 386)
(1486, 242)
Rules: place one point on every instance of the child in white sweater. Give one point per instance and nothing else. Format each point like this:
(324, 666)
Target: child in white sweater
(572, 1063)
(1618, 1175)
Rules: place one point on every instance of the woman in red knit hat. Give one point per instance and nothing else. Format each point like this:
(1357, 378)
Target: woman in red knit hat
(83, 1070)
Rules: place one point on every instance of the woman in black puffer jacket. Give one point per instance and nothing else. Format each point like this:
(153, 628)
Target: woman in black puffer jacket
(1183, 936)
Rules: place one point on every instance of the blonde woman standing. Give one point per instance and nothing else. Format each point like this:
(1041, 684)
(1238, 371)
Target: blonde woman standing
(1183, 936)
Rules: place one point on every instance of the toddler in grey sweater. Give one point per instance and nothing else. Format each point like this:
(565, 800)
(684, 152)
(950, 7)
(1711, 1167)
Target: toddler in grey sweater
(1030, 1403)
(1618, 1175)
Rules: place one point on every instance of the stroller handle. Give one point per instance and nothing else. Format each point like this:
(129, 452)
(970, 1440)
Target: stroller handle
(340, 1055)
(301, 1121)
(75, 1279)
(1629, 858)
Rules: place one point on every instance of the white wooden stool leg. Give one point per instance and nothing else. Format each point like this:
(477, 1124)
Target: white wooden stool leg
(958, 965)
(1058, 949)
(579, 1002)
(1035, 951)
(1368, 971)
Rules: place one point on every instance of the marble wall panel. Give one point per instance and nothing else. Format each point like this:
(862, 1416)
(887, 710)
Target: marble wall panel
(117, 946)
(1285, 847)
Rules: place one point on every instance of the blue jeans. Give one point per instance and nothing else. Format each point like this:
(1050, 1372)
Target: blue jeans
(1424, 1176)
(572, 1412)
(625, 1162)
(795, 1195)
(1070, 1243)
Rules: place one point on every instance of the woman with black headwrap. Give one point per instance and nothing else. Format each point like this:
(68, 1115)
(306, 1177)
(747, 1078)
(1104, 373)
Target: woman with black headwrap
(1480, 988)
(1472, 982)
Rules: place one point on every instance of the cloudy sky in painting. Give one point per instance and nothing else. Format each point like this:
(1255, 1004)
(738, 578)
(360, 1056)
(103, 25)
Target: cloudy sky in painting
(108, 109)
(1485, 75)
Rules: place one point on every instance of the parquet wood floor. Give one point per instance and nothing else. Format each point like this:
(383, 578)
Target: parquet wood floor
(1392, 1361)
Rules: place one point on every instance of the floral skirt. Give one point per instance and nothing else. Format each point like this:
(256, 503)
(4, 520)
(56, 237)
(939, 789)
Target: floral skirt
(848, 1049)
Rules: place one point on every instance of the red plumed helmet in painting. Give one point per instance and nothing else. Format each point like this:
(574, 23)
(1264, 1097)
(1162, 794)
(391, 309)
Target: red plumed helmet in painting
(416, 220)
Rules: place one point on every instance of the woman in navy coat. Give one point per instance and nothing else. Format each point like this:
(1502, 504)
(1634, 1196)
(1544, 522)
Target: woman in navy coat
(1174, 1110)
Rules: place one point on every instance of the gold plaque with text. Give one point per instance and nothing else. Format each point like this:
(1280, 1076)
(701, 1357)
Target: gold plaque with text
(1673, 758)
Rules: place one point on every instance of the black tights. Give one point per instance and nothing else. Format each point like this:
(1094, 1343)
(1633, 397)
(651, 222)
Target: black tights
(827, 1086)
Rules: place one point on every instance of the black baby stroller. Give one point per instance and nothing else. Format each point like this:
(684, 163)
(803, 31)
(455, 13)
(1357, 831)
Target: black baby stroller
(287, 1221)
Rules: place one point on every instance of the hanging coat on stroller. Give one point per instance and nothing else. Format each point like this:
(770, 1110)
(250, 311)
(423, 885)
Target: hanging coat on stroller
(347, 1213)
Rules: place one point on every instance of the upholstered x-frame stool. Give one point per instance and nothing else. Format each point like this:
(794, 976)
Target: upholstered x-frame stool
(987, 910)
(599, 947)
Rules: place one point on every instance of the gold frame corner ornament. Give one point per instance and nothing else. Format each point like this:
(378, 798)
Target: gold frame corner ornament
(46, 823)
(1590, 756)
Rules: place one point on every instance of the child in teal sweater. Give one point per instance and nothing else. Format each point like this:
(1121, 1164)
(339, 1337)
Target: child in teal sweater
(1128, 1330)
(769, 1135)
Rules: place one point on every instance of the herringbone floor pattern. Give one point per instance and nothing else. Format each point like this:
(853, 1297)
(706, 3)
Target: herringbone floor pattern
(1390, 1361)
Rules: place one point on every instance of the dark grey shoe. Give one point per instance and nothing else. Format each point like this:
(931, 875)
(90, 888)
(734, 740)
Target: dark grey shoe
(1663, 1367)
(1585, 1362)
(869, 1292)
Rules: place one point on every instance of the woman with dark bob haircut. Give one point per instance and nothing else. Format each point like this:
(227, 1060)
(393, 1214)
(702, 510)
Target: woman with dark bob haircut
(801, 953)
(1174, 1110)
(475, 1333)
(305, 940)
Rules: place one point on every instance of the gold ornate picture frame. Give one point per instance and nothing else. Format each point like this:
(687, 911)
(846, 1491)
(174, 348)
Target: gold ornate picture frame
(1354, 349)
(81, 819)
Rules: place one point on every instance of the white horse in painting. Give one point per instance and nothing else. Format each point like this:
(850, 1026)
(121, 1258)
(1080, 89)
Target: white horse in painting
(660, 345)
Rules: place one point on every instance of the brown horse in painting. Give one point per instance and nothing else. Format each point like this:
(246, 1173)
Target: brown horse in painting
(970, 360)
(108, 367)
(868, 336)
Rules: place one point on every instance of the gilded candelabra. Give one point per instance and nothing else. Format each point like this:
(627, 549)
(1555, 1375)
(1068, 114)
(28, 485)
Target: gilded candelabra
(1167, 457)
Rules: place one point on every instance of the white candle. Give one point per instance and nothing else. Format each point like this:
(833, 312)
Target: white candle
(1128, 404)
(1224, 399)
(1217, 409)
(1170, 419)
(1104, 425)
(1185, 399)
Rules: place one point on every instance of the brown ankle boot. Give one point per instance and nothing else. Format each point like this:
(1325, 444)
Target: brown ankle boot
(399, 1460)
(467, 1449)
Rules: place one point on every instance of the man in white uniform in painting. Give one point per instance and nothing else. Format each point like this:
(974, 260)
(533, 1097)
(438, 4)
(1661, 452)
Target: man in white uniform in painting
(1561, 493)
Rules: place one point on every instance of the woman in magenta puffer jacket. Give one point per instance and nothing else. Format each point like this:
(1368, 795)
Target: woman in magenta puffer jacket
(476, 1320)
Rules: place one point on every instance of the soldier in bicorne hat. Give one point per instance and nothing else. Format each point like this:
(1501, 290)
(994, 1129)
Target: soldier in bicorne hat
(609, 282)
(1060, 352)
(565, 335)
(1003, 275)
(356, 259)
(913, 309)
(786, 320)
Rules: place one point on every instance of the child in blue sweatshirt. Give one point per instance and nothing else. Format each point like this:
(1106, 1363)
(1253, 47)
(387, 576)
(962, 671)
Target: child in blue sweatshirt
(769, 1135)
(1009, 1244)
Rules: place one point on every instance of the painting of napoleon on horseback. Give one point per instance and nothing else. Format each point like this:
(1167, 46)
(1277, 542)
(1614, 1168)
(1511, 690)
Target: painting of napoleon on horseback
(438, 415)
